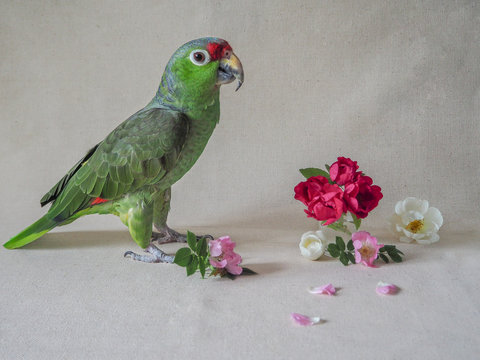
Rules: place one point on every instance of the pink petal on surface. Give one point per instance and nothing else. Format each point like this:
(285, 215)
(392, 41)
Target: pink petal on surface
(304, 320)
(386, 289)
(327, 289)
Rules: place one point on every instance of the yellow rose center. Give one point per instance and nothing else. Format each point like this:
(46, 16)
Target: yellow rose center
(366, 251)
(309, 242)
(415, 226)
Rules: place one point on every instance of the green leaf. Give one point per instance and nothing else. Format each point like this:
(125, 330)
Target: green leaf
(193, 266)
(395, 257)
(183, 257)
(247, 271)
(333, 250)
(384, 258)
(340, 243)
(327, 167)
(356, 221)
(201, 267)
(343, 258)
(350, 245)
(192, 241)
(230, 276)
(309, 172)
(351, 257)
(399, 252)
(202, 247)
(391, 249)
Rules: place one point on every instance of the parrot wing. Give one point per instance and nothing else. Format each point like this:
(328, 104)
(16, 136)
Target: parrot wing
(57, 189)
(139, 152)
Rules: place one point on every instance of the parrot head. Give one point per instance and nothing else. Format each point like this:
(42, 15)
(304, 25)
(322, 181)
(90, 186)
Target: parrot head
(198, 69)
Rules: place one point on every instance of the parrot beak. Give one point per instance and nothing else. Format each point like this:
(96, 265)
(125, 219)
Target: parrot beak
(229, 69)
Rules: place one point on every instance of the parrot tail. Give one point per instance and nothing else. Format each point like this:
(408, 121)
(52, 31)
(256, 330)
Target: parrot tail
(31, 233)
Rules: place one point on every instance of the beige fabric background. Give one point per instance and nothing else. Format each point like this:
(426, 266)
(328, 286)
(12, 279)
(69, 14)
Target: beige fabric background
(392, 84)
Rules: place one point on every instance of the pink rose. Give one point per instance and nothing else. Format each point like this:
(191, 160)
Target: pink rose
(222, 255)
(366, 248)
(361, 197)
(343, 171)
(323, 200)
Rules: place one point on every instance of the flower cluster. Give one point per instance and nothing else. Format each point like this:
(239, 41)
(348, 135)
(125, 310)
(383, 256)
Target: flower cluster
(216, 256)
(329, 195)
(335, 197)
(223, 258)
(363, 248)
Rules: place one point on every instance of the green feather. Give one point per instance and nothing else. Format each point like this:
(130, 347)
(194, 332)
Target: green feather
(136, 163)
(124, 174)
(57, 189)
(31, 233)
(122, 188)
(97, 190)
(88, 184)
(110, 188)
(114, 173)
(102, 169)
(151, 168)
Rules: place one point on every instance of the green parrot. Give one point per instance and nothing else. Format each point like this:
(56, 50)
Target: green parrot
(130, 173)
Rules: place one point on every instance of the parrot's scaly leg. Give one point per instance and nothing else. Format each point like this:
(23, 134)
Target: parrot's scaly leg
(167, 235)
(158, 256)
(137, 213)
(161, 206)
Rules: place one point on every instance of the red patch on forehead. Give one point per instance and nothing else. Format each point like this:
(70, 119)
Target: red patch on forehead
(216, 50)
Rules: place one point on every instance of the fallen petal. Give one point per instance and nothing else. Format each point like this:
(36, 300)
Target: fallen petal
(304, 320)
(327, 289)
(386, 289)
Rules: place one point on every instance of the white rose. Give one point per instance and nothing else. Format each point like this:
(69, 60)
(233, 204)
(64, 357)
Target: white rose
(415, 220)
(313, 244)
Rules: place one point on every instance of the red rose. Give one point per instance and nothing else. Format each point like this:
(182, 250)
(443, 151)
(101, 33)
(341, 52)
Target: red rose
(361, 197)
(343, 171)
(350, 197)
(323, 200)
(307, 191)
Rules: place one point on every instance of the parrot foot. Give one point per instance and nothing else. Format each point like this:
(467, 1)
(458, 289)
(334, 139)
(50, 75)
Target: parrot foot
(167, 235)
(158, 256)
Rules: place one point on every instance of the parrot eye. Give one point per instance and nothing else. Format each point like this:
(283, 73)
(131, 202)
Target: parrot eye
(199, 57)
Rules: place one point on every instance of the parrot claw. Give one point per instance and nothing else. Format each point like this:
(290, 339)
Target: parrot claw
(158, 256)
(167, 235)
